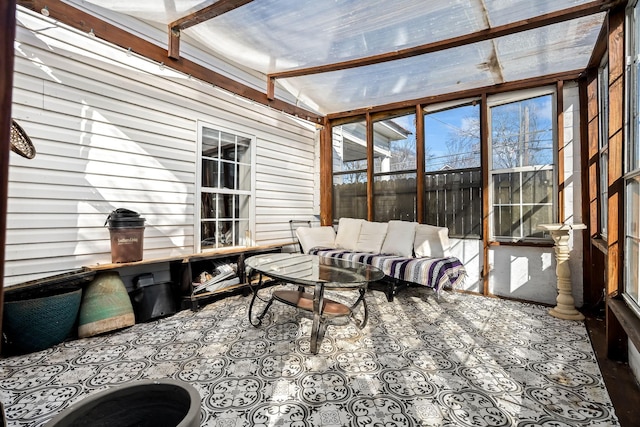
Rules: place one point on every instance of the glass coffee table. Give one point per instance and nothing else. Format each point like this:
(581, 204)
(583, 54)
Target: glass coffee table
(314, 275)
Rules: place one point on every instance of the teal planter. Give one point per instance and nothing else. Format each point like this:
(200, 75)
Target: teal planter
(35, 324)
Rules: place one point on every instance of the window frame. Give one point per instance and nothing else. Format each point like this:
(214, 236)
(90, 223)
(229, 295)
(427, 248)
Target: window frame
(439, 108)
(603, 146)
(631, 156)
(249, 238)
(507, 98)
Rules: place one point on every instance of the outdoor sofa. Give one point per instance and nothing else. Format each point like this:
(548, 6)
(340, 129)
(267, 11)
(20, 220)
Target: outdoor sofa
(407, 252)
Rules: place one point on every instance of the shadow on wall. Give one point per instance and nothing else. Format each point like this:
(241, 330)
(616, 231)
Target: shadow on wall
(100, 147)
(469, 251)
(524, 273)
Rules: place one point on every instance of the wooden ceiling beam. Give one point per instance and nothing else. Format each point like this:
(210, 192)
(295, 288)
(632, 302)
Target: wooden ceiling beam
(84, 21)
(218, 8)
(478, 36)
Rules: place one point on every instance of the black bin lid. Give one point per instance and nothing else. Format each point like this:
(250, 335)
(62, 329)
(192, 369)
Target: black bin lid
(122, 217)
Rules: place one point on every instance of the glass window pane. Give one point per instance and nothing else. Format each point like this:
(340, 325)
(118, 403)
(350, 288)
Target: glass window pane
(228, 147)
(452, 138)
(453, 199)
(453, 182)
(244, 150)
(225, 234)
(208, 234)
(632, 239)
(506, 188)
(507, 221)
(228, 175)
(394, 142)
(537, 186)
(210, 173)
(208, 204)
(522, 133)
(210, 143)
(350, 147)
(349, 196)
(395, 197)
(533, 216)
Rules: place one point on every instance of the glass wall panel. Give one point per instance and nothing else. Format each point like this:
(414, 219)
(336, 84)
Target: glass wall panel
(394, 166)
(632, 181)
(350, 171)
(523, 168)
(453, 180)
(395, 197)
(632, 239)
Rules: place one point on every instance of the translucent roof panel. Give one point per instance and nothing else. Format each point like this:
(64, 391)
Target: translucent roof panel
(277, 35)
(436, 73)
(503, 12)
(265, 37)
(556, 48)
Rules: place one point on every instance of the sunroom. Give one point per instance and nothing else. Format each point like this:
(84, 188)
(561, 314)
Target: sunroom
(224, 122)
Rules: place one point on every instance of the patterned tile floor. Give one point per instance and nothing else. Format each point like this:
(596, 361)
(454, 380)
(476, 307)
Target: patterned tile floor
(462, 361)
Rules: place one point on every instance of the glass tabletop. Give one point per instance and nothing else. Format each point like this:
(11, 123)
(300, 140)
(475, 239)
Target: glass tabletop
(310, 270)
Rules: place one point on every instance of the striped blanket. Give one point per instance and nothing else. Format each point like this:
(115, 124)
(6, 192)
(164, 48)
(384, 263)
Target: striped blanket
(435, 273)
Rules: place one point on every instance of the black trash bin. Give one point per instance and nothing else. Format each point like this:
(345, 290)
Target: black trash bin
(152, 300)
(126, 228)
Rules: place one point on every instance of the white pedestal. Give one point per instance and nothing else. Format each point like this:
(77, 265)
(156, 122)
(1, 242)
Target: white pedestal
(565, 308)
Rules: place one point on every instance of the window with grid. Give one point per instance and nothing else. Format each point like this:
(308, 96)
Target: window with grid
(225, 188)
(523, 171)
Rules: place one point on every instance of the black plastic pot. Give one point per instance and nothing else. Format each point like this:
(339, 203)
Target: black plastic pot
(146, 403)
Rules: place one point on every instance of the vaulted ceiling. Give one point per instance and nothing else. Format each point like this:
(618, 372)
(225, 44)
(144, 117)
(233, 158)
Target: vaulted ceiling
(327, 57)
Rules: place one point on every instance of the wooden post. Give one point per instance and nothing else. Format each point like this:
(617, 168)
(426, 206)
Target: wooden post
(370, 197)
(616, 337)
(420, 164)
(484, 161)
(8, 31)
(560, 126)
(326, 174)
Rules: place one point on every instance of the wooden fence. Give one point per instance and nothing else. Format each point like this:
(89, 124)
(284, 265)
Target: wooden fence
(453, 198)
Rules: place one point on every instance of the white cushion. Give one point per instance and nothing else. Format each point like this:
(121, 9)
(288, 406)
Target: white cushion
(431, 241)
(371, 237)
(348, 232)
(399, 240)
(312, 237)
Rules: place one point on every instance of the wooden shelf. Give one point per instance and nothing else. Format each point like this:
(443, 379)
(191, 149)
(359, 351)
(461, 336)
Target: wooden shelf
(188, 257)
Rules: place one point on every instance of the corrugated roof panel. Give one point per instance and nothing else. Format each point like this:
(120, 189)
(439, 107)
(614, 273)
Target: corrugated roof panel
(436, 73)
(556, 48)
(277, 35)
(270, 36)
(503, 12)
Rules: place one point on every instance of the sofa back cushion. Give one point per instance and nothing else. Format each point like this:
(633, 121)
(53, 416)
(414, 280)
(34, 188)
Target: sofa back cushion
(348, 232)
(372, 235)
(431, 241)
(316, 237)
(399, 239)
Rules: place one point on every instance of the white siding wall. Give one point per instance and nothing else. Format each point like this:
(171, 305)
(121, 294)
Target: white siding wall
(113, 130)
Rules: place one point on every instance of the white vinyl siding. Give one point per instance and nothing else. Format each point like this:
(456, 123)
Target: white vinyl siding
(113, 130)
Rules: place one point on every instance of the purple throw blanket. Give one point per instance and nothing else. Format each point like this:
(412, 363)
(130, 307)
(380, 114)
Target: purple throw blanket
(435, 273)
